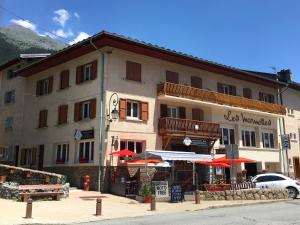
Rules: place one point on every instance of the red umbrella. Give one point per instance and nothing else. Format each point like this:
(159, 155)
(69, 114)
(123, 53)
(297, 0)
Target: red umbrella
(225, 165)
(124, 153)
(232, 161)
(144, 161)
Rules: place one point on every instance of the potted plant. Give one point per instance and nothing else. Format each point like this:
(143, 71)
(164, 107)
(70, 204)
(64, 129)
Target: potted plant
(147, 192)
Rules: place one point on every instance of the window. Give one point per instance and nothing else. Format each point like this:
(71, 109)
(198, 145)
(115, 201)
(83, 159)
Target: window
(85, 110)
(86, 151)
(290, 112)
(28, 156)
(62, 153)
(269, 178)
(6, 153)
(247, 92)
(9, 97)
(172, 77)
(227, 136)
(134, 146)
(226, 89)
(64, 79)
(248, 138)
(172, 111)
(133, 109)
(133, 71)
(266, 97)
(268, 139)
(293, 136)
(43, 118)
(62, 114)
(8, 123)
(87, 72)
(44, 87)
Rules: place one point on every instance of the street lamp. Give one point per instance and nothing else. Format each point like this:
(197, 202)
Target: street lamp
(113, 114)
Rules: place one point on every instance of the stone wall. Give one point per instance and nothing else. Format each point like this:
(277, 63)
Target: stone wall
(249, 194)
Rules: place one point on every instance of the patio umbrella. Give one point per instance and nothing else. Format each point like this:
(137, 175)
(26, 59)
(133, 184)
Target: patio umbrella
(225, 165)
(232, 161)
(124, 153)
(142, 161)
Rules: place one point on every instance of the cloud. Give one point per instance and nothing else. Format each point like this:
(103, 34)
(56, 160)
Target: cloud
(62, 33)
(62, 16)
(80, 37)
(48, 34)
(76, 15)
(25, 23)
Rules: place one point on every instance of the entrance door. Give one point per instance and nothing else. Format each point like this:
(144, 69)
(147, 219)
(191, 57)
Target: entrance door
(296, 167)
(41, 157)
(251, 169)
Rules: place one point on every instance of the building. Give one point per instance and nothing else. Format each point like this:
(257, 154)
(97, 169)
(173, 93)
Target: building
(162, 97)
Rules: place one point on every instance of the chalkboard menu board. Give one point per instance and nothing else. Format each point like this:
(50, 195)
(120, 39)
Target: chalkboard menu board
(176, 193)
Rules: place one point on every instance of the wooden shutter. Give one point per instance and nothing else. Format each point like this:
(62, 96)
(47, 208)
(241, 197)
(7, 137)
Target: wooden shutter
(63, 114)
(197, 114)
(50, 84)
(247, 93)
(172, 77)
(133, 71)
(220, 88)
(77, 111)
(196, 82)
(43, 118)
(144, 111)
(94, 70)
(163, 110)
(93, 103)
(181, 112)
(64, 79)
(261, 96)
(79, 71)
(123, 108)
(232, 90)
(271, 98)
(33, 154)
(38, 88)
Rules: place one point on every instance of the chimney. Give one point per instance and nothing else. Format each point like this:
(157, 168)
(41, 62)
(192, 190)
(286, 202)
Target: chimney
(284, 75)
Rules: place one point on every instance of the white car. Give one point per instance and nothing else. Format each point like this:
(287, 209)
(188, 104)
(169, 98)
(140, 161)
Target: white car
(274, 180)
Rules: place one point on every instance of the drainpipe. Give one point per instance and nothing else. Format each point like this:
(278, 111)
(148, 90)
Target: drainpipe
(102, 116)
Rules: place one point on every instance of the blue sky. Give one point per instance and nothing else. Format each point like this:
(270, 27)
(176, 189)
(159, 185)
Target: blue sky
(248, 34)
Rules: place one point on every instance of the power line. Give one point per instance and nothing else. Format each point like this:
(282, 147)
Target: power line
(44, 29)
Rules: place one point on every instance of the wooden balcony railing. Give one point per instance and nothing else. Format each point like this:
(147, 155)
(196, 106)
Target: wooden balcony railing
(175, 126)
(185, 91)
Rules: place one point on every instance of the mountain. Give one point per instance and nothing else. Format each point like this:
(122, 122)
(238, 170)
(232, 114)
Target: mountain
(15, 40)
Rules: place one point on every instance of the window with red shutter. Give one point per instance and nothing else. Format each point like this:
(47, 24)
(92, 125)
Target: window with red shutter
(144, 111)
(123, 108)
(64, 79)
(62, 114)
(77, 111)
(92, 108)
(133, 71)
(247, 93)
(196, 82)
(43, 118)
(172, 77)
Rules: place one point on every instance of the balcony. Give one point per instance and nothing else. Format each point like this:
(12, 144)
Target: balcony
(183, 91)
(191, 128)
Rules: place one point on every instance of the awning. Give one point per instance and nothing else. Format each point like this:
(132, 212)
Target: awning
(172, 156)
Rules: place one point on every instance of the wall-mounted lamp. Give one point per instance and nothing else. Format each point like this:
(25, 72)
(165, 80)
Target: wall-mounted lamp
(114, 113)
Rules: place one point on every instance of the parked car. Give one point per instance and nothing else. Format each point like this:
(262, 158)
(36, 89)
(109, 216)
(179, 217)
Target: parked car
(274, 181)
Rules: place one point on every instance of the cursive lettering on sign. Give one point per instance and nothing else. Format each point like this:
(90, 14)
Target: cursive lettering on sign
(235, 118)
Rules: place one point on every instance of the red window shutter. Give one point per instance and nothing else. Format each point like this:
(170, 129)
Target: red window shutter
(79, 74)
(64, 79)
(163, 110)
(196, 82)
(123, 108)
(144, 111)
(247, 93)
(93, 108)
(43, 118)
(94, 70)
(133, 71)
(181, 112)
(220, 87)
(172, 77)
(77, 111)
(197, 114)
(63, 114)
(38, 88)
(50, 84)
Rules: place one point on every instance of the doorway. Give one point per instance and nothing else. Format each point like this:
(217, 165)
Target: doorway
(251, 169)
(296, 163)
(41, 157)
(17, 155)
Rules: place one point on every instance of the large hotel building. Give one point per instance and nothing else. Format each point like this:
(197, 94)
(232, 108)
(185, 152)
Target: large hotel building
(55, 112)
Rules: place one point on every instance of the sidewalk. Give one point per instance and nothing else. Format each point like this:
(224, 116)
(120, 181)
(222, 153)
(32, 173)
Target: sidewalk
(81, 207)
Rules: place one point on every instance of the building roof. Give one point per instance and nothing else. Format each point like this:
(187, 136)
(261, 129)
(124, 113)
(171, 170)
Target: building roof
(104, 38)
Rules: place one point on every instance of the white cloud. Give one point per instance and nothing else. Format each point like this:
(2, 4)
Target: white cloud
(62, 33)
(80, 37)
(76, 15)
(25, 23)
(62, 16)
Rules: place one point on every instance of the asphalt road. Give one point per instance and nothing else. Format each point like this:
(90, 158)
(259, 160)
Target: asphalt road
(281, 213)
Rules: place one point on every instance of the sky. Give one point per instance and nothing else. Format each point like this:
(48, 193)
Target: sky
(261, 35)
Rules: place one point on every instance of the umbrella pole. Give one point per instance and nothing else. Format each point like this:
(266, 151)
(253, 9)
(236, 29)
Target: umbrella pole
(173, 168)
(193, 173)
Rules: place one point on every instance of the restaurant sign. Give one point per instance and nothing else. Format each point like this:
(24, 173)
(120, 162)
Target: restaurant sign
(161, 189)
(235, 117)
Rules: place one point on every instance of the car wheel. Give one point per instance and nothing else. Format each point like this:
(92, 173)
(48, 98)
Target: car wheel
(293, 193)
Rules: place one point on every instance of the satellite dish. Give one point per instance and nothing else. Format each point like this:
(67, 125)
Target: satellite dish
(187, 141)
